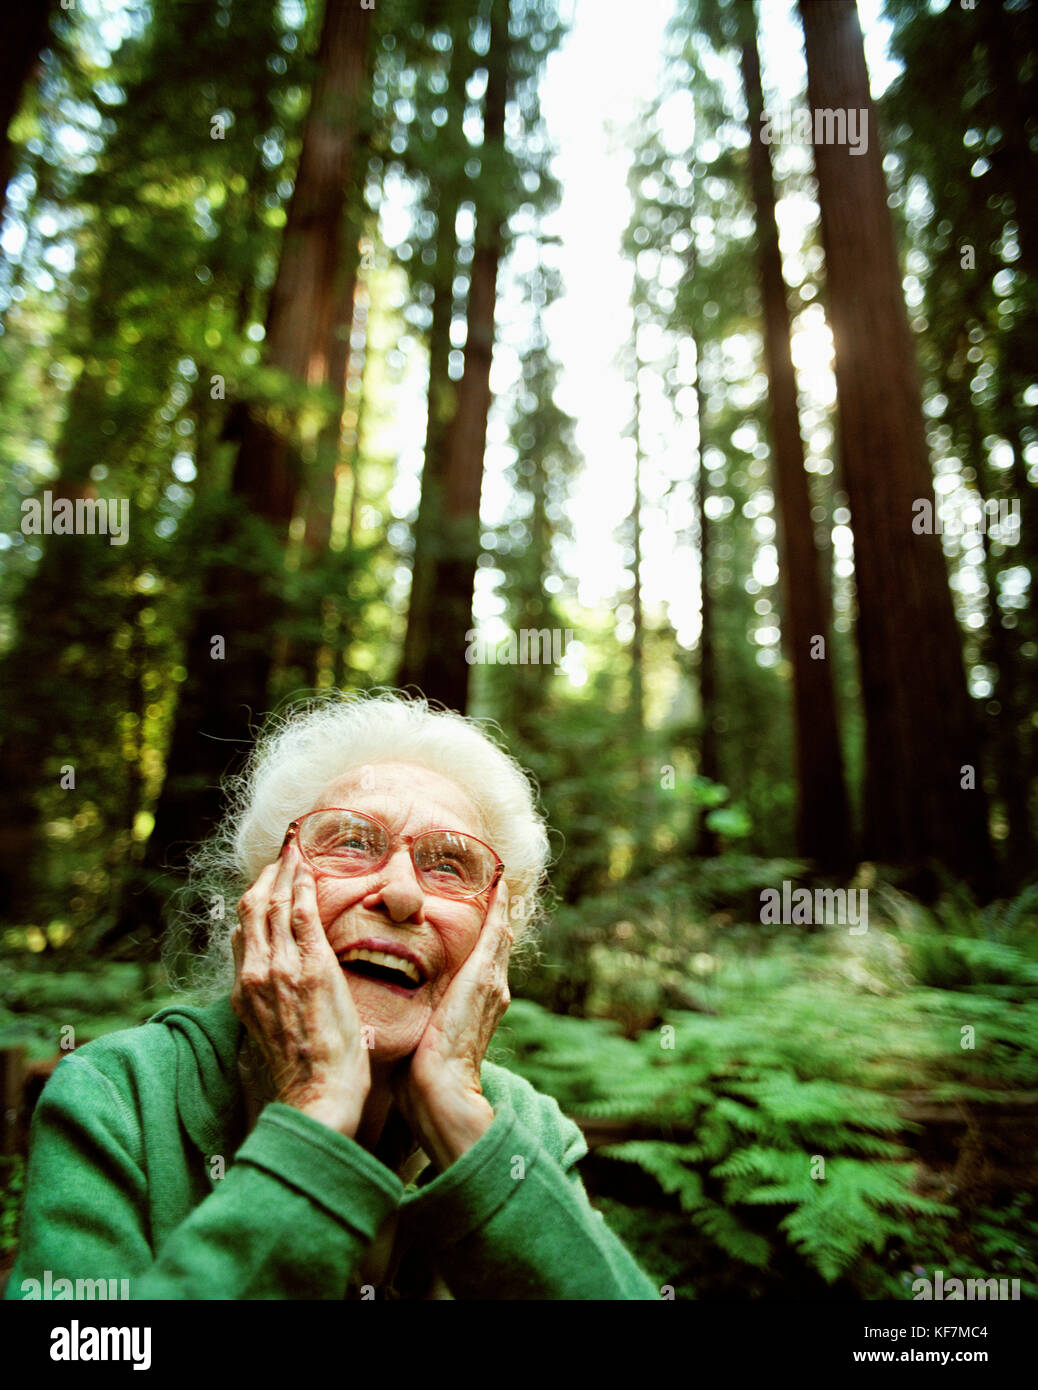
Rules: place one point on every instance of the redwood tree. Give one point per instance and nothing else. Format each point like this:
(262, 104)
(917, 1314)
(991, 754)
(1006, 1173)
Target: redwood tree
(240, 590)
(441, 672)
(709, 763)
(823, 819)
(925, 803)
(458, 67)
(81, 597)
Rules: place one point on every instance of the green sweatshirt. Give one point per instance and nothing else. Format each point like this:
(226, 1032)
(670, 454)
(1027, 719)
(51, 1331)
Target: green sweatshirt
(142, 1168)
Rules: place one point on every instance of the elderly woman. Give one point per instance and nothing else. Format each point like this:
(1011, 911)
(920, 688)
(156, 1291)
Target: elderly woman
(329, 1128)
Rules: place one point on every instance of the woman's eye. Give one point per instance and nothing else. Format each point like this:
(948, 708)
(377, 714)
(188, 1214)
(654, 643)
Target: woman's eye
(353, 845)
(445, 866)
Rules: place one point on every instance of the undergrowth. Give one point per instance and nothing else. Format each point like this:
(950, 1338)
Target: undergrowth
(770, 1117)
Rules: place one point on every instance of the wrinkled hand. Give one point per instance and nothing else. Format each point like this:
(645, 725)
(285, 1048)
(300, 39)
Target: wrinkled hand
(438, 1087)
(290, 993)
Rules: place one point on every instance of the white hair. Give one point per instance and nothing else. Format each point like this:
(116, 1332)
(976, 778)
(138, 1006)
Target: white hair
(297, 755)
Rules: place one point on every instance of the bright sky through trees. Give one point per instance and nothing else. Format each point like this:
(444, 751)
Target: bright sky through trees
(594, 91)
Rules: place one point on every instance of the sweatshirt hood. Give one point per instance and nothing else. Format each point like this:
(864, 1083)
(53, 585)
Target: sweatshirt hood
(208, 1087)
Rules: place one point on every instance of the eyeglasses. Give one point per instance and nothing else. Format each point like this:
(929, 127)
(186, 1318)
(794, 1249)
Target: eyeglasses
(346, 844)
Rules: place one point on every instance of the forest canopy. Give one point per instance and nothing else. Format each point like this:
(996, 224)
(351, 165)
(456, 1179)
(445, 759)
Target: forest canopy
(256, 258)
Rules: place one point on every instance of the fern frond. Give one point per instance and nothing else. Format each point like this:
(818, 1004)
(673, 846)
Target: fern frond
(727, 1232)
(667, 1163)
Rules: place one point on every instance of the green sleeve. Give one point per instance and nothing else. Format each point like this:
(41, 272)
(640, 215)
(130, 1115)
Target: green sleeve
(510, 1219)
(292, 1218)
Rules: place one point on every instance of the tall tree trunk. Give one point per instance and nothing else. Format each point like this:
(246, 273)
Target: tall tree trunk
(24, 30)
(642, 833)
(306, 651)
(73, 602)
(706, 661)
(1009, 730)
(1015, 157)
(241, 595)
(823, 819)
(62, 605)
(444, 673)
(925, 803)
(529, 685)
(441, 396)
(541, 436)
(638, 639)
(441, 403)
(1009, 734)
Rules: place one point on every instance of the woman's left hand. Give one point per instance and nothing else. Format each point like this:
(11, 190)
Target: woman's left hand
(438, 1087)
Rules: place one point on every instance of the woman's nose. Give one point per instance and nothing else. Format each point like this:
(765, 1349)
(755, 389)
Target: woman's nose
(398, 889)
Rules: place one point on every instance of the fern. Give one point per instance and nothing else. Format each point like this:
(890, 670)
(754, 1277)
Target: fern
(726, 1231)
(667, 1163)
(1023, 906)
(835, 1219)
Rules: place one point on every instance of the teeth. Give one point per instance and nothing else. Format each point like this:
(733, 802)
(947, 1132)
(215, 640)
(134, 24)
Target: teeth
(382, 958)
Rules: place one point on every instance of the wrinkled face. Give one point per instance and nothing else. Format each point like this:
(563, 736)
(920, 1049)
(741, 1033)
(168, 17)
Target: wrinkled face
(390, 908)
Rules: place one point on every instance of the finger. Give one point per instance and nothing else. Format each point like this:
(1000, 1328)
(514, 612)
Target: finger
(256, 896)
(489, 955)
(495, 901)
(502, 953)
(283, 951)
(505, 940)
(306, 918)
(500, 943)
(498, 926)
(236, 953)
(497, 932)
(503, 915)
(501, 910)
(252, 918)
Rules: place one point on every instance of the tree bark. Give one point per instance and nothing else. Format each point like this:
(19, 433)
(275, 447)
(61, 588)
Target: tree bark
(74, 602)
(925, 804)
(441, 401)
(1001, 32)
(307, 653)
(638, 639)
(441, 396)
(1010, 729)
(823, 820)
(24, 30)
(706, 664)
(642, 833)
(241, 595)
(444, 674)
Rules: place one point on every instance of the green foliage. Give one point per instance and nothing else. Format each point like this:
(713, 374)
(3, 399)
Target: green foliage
(770, 1129)
(759, 1129)
(623, 952)
(999, 1242)
(730, 821)
(37, 1001)
(145, 276)
(12, 1185)
(773, 1126)
(958, 146)
(962, 962)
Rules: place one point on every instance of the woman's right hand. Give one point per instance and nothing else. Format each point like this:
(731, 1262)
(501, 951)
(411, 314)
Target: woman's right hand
(291, 994)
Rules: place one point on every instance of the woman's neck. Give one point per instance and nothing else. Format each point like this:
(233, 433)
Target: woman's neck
(377, 1109)
(379, 1120)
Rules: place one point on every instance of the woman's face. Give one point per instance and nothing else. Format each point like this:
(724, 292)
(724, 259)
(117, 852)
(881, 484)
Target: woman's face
(390, 908)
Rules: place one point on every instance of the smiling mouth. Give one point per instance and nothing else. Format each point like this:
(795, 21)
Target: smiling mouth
(392, 971)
